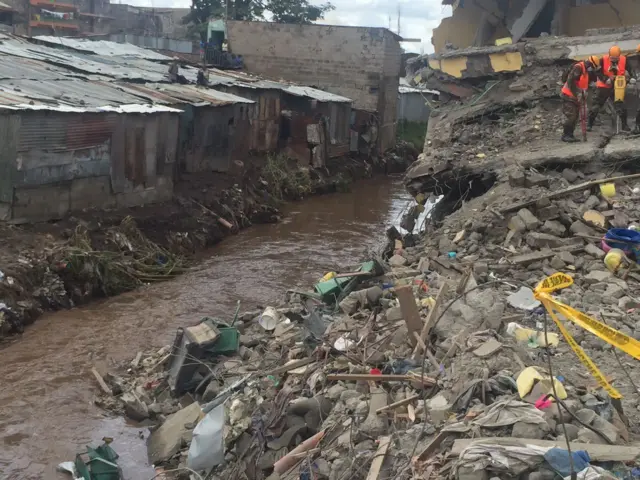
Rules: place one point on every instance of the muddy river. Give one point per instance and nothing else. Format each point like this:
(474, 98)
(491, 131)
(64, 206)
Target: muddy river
(46, 410)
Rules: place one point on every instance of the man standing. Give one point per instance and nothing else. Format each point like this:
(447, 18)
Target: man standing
(613, 65)
(574, 92)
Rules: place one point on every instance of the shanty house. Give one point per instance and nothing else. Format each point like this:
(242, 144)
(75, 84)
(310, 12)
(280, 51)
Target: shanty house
(214, 126)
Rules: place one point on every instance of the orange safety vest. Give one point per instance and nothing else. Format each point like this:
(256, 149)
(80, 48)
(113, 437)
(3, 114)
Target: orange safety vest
(606, 65)
(582, 83)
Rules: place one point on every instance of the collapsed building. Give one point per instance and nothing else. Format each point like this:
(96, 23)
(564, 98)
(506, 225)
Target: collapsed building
(499, 109)
(482, 22)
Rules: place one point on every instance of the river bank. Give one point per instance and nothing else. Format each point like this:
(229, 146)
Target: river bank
(58, 265)
(438, 363)
(52, 360)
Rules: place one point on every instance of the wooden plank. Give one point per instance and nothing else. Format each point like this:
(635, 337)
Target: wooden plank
(433, 446)
(378, 459)
(291, 366)
(366, 377)
(598, 453)
(399, 403)
(409, 308)
(103, 385)
(431, 318)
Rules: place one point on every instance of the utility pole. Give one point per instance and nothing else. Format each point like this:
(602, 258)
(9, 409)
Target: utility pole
(399, 15)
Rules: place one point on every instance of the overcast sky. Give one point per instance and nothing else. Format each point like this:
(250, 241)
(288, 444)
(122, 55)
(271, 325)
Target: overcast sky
(418, 17)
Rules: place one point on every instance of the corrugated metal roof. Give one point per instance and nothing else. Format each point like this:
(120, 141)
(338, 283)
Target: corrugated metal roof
(174, 94)
(103, 47)
(241, 79)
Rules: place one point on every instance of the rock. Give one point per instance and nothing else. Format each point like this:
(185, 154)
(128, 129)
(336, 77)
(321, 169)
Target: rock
(397, 261)
(166, 441)
(516, 224)
(566, 257)
(586, 415)
(587, 436)
(548, 213)
(579, 227)
(529, 430)
(557, 263)
(393, 314)
(480, 269)
(533, 179)
(572, 431)
(594, 251)
(607, 428)
(615, 292)
(439, 409)
(590, 203)
(134, 408)
(596, 276)
(569, 175)
(529, 219)
(541, 240)
(553, 227)
(627, 303)
(348, 394)
(335, 391)
(375, 425)
(516, 179)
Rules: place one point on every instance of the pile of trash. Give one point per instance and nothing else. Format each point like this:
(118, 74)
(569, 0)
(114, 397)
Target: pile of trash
(430, 361)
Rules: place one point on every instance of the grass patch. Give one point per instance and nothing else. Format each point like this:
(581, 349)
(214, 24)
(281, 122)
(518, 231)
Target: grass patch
(412, 132)
(286, 181)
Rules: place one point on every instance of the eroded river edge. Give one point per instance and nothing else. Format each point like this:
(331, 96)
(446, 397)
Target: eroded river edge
(46, 408)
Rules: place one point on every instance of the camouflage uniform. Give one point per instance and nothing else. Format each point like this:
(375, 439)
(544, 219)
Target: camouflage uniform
(570, 105)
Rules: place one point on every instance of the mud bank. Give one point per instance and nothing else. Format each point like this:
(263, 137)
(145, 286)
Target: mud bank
(96, 254)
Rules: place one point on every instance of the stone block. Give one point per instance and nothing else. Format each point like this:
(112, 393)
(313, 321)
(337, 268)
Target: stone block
(529, 219)
(579, 227)
(516, 179)
(597, 276)
(553, 227)
(517, 224)
(594, 251)
(535, 179)
(541, 240)
(570, 175)
(166, 441)
(548, 213)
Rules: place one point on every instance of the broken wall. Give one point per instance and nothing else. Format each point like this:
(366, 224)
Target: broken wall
(360, 63)
(54, 163)
(211, 137)
(614, 13)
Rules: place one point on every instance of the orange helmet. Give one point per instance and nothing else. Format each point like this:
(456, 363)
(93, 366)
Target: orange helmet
(615, 52)
(595, 61)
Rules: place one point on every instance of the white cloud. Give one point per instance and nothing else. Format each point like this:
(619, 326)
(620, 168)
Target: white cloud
(418, 18)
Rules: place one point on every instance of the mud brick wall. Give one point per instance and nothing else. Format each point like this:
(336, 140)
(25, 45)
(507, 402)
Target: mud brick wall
(360, 63)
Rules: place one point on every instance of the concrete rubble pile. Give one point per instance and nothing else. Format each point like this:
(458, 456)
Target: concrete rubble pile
(500, 107)
(428, 362)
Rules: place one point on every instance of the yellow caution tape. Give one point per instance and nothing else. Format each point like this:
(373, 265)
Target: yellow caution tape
(557, 281)
(610, 335)
(580, 353)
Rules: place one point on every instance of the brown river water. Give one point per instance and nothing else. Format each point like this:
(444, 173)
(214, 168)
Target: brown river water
(46, 387)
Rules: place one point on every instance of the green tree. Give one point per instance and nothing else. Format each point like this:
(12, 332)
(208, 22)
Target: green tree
(296, 11)
(282, 11)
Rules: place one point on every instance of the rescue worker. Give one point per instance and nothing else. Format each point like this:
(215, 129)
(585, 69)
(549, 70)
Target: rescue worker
(574, 91)
(613, 64)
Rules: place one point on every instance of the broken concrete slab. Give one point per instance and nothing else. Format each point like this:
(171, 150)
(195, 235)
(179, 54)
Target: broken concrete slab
(530, 221)
(541, 240)
(166, 441)
(488, 348)
(553, 227)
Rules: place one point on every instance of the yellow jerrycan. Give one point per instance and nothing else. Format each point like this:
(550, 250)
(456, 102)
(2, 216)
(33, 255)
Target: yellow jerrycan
(619, 86)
